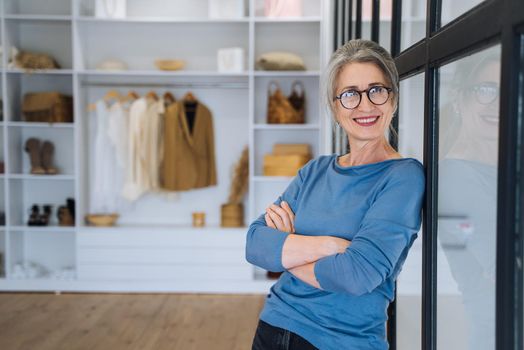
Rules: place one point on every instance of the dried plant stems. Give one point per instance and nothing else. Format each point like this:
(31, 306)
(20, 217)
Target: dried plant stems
(239, 182)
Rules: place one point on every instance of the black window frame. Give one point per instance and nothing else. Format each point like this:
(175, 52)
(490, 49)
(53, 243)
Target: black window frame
(489, 23)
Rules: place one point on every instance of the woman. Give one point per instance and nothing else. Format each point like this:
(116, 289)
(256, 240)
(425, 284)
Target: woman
(342, 229)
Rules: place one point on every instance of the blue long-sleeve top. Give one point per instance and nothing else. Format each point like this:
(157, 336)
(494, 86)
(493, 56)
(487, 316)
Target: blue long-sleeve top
(378, 208)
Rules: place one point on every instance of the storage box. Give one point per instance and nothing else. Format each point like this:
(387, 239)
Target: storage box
(230, 60)
(284, 165)
(226, 9)
(292, 148)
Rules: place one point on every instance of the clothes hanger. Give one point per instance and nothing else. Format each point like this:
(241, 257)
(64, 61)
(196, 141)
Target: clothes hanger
(169, 98)
(151, 94)
(189, 97)
(108, 97)
(131, 96)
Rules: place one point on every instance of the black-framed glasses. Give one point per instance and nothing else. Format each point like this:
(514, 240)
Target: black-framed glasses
(485, 93)
(378, 95)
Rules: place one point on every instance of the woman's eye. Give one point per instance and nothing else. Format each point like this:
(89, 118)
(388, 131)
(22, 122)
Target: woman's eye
(376, 90)
(349, 94)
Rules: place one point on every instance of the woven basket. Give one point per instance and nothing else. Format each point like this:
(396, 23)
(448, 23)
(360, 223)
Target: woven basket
(48, 107)
(101, 219)
(232, 215)
(169, 64)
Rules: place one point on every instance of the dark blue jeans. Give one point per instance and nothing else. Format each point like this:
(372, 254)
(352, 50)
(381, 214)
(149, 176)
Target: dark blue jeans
(268, 337)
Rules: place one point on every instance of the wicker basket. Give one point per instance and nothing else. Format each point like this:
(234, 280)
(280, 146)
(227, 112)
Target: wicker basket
(48, 107)
(232, 215)
(101, 219)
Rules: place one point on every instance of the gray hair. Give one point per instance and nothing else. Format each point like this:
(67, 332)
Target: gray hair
(361, 51)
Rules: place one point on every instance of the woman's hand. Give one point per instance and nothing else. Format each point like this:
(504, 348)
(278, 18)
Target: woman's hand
(280, 217)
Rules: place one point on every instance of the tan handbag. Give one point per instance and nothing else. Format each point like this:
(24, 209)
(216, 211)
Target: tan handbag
(49, 107)
(298, 100)
(279, 109)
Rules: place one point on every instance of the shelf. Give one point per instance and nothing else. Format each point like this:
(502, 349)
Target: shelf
(313, 19)
(57, 177)
(286, 126)
(157, 73)
(26, 17)
(42, 228)
(171, 20)
(40, 71)
(272, 178)
(160, 228)
(307, 73)
(40, 125)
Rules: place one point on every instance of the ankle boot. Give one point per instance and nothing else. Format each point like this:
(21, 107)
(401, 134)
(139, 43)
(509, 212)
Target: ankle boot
(32, 147)
(34, 216)
(48, 150)
(46, 216)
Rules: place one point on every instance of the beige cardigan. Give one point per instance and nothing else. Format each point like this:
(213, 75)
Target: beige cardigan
(189, 158)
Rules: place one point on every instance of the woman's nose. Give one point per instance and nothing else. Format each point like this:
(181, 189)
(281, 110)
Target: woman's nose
(365, 104)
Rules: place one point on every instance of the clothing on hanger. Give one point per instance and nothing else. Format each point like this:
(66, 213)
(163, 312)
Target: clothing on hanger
(135, 184)
(153, 143)
(189, 151)
(107, 172)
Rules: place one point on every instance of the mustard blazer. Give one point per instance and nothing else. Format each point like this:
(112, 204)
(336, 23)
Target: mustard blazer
(189, 158)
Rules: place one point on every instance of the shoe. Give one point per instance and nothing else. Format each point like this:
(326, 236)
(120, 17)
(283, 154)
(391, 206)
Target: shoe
(46, 216)
(71, 206)
(32, 147)
(34, 216)
(48, 150)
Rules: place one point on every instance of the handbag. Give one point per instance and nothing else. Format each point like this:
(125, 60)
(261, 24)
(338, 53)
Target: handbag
(279, 109)
(283, 8)
(49, 107)
(298, 100)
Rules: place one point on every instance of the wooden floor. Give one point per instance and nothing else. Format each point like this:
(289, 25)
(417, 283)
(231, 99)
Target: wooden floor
(128, 321)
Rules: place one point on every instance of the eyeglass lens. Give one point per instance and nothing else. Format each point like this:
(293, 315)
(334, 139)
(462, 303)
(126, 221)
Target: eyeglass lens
(378, 95)
(486, 93)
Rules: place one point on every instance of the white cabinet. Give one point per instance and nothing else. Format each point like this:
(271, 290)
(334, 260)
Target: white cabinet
(154, 247)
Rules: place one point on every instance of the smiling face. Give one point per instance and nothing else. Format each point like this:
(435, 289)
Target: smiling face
(479, 103)
(367, 122)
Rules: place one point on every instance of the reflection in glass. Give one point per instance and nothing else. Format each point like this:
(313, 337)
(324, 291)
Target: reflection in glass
(409, 282)
(452, 9)
(468, 148)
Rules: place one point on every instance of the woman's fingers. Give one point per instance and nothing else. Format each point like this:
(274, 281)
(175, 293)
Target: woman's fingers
(277, 220)
(269, 222)
(283, 215)
(290, 213)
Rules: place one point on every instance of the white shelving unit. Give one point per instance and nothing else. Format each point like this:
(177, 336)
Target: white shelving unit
(153, 248)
